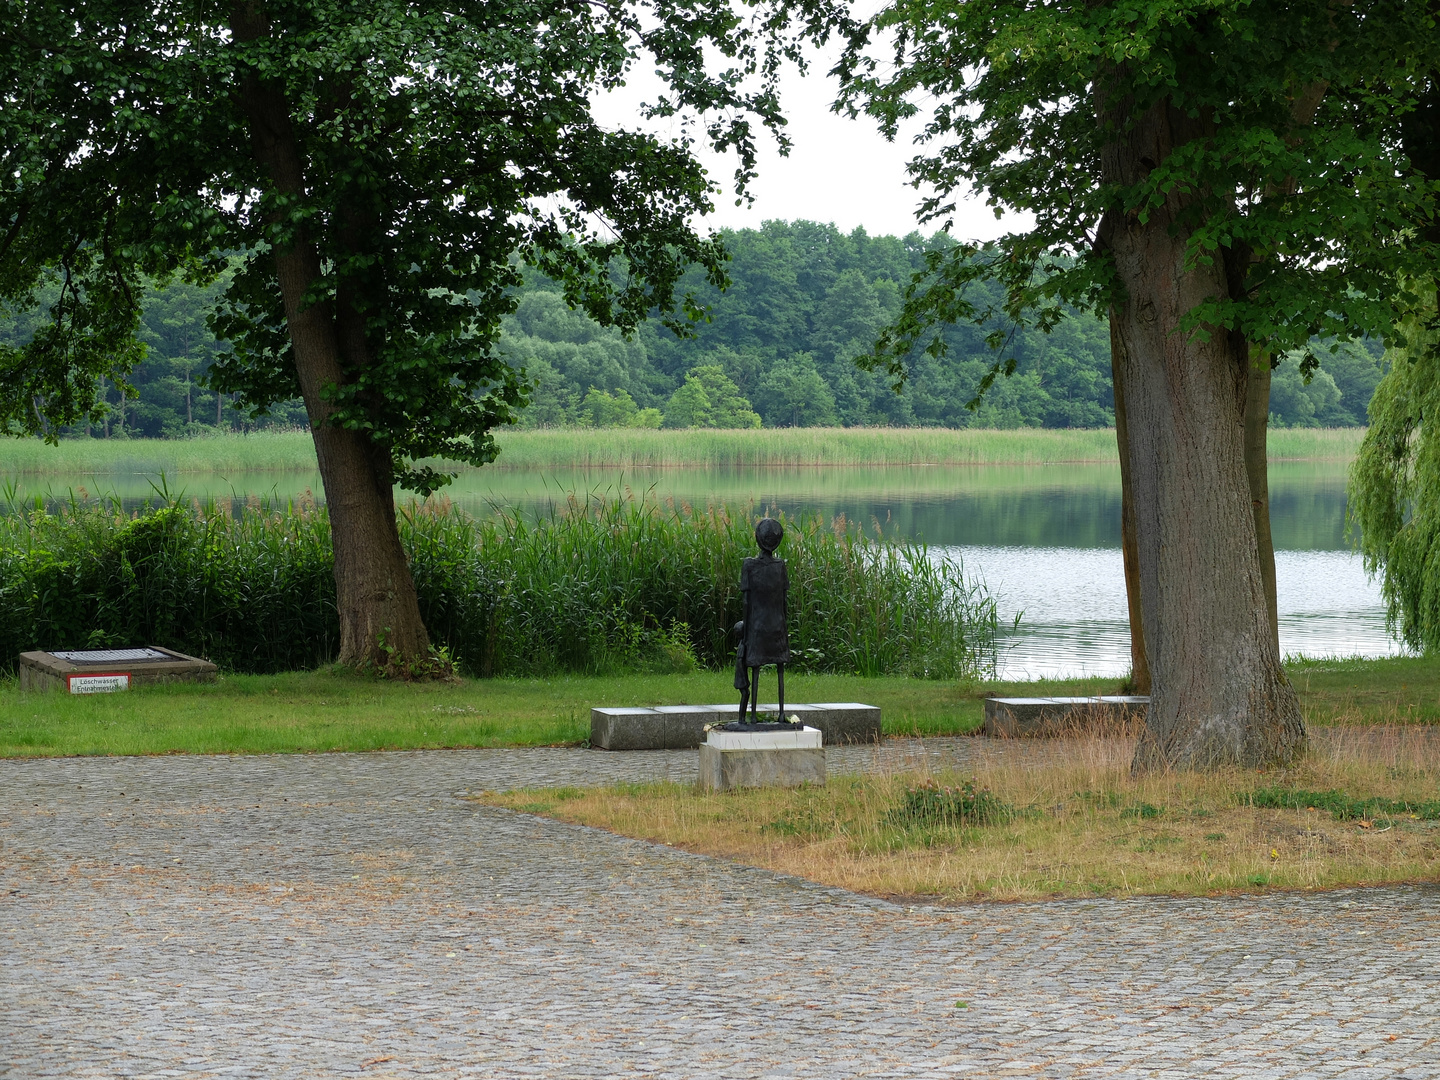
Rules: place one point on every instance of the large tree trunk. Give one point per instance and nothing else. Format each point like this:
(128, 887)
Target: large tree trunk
(1257, 470)
(1218, 693)
(1129, 544)
(379, 611)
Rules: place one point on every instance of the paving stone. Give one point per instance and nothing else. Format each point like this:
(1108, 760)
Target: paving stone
(347, 915)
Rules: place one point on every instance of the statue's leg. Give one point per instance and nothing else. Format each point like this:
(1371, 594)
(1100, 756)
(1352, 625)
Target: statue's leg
(780, 675)
(754, 695)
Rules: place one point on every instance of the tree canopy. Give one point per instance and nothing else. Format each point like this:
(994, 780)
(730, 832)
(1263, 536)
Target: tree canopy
(847, 288)
(1296, 174)
(375, 176)
(441, 149)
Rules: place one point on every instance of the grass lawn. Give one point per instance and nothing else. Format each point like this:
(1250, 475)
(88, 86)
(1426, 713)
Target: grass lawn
(333, 710)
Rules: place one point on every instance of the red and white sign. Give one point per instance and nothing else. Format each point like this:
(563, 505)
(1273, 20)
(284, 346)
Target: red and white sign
(98, 683)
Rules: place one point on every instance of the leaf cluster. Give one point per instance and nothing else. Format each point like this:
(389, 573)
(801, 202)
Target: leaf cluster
(1299, 175)
(442, 150)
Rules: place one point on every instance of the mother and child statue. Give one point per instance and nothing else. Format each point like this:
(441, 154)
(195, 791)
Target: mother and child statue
(763, 636)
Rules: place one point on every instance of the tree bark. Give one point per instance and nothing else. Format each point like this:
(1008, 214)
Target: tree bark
(1257, 470)
(1218, 693)
(1129, 544)
(379, 611)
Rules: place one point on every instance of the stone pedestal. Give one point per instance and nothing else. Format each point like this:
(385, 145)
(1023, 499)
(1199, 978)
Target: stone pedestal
(99, 671)
(1031, 718)
(679, 727)
(731, 759)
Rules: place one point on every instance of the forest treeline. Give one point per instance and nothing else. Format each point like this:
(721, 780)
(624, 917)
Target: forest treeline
(779, 350)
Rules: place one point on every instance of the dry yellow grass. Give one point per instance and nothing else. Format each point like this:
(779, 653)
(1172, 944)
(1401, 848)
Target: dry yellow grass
(1083, 825)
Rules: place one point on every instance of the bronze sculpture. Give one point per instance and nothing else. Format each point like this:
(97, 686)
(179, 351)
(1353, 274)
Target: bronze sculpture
(764, 634)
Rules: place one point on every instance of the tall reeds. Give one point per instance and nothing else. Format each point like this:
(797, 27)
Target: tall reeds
(624, 448)
(600, 585)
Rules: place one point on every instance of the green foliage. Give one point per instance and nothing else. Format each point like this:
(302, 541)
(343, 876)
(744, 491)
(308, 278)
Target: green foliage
(620, 585)
(793, 394)
(1145, 811)
(709, 399)
(255, 592)
(1341, 806)
(1307, 208)
(604, 410)
(928, 804)
(802, 287)
(427, 147)
(1394, 490)
(845, 294)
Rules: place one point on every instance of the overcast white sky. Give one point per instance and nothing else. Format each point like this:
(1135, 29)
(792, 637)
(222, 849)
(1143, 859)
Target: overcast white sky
(840, 171)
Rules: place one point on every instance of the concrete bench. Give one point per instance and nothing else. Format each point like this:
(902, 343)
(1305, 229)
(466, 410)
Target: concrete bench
(682, 727)
(1053, 716)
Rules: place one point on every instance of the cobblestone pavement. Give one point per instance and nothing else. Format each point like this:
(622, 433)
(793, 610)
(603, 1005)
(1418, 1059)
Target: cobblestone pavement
(347, 915)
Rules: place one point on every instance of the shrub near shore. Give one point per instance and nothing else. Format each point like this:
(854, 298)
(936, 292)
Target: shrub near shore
(617, 585)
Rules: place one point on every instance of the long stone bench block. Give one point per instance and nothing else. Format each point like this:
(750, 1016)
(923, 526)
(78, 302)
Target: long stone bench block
(1055, 716)
(682, 727)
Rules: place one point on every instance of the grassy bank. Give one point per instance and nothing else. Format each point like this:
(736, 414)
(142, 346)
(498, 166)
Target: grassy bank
(334, 710)
(1033, 820)
(625, 448)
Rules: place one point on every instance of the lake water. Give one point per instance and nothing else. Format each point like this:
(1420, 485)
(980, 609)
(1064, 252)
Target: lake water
(1045, 539)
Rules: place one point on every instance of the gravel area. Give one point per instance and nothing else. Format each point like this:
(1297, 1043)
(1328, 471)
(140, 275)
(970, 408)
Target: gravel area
(348, 915)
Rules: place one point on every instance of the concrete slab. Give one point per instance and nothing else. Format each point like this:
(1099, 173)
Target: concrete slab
(685, 724)
(88, 671)
(680, 727)
(807, 738)
(628, 729)
(744, 759)
(845, 722)
(1058, 716)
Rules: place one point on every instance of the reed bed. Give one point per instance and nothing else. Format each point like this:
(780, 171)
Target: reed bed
(258, 451)
(289, 451)
(1028, 819)
(619, 584)
(630, 448)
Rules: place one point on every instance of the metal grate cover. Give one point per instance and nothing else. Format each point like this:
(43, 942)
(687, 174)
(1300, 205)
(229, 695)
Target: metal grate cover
(112, 656)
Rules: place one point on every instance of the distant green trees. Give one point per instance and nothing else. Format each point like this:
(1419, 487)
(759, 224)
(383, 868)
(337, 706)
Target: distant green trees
(709, 398)
(780, 349)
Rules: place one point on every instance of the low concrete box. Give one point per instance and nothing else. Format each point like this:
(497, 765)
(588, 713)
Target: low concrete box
(90, 671)
(1030, 718)
(627, 729)
(735, 759)
(685, 724)
(845, 722)
(680, 727)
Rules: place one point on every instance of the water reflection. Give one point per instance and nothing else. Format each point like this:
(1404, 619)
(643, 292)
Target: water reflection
(1074, 619)
(1075, 506)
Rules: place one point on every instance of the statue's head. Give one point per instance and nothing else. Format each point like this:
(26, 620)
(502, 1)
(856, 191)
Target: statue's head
(768, 534)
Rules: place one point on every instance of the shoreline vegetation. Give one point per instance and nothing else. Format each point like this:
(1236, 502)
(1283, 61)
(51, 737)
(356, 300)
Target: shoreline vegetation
(630, 448)
(607, 585)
